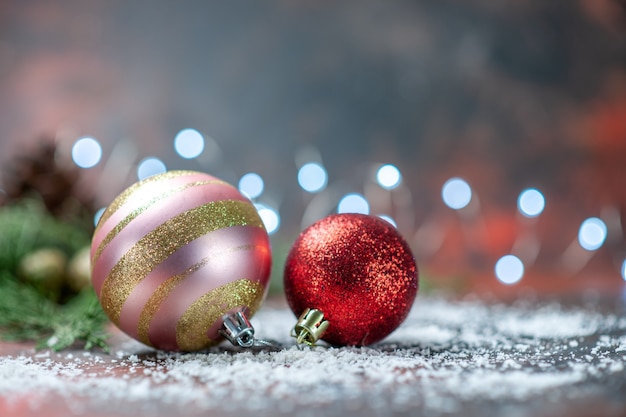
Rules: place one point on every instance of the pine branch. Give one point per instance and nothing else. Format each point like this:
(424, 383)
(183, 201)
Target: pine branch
(82, 319)
(27, 315)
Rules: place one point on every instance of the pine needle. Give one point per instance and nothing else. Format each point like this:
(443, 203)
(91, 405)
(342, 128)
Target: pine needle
(27, 315)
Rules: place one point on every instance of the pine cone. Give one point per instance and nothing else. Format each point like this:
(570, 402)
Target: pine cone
(38, 173)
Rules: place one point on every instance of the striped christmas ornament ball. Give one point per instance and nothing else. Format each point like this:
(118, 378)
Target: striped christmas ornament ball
(175, 252)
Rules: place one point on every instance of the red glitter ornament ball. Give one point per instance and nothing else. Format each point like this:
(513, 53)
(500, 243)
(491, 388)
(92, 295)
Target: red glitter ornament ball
(358, 271)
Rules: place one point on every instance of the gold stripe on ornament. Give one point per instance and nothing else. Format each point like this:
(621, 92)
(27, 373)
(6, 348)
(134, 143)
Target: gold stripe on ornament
(163, 290)
(125, 195)
(192, 328)
(121, 199)
(135, 213)
(163, 241)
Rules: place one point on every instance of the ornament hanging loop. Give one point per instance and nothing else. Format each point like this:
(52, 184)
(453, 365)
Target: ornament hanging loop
(310, 327)
(238, 331)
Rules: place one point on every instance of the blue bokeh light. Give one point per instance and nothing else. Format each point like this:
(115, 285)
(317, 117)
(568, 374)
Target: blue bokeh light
(388, 176)
(86, 152)
(150, 166)
(251, 185)
(456, 193)
(189, 143)
(353, 203)
(270, 218)
(98, 215)
(509, 269)
(312, 177)
(531, 202)
(592, 234)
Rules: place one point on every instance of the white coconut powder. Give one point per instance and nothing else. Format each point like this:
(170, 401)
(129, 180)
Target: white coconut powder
(446, 358)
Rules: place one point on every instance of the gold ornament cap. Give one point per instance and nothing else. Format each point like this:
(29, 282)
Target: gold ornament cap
(310, 327)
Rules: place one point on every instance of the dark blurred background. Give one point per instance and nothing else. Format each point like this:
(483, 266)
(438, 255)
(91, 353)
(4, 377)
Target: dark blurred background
(505, 95)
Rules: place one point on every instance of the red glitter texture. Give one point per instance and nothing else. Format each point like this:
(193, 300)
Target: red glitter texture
(359, 271)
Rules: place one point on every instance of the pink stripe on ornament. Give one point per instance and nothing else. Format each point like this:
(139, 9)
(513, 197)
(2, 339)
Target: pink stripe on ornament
(154, 216)
(214, 246)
